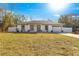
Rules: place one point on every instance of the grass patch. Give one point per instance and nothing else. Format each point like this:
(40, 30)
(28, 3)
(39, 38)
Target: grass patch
(40, 44)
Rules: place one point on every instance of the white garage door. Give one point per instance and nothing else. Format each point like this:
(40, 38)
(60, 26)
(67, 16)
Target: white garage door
(66, 30)
(62, 29)
(57, 29)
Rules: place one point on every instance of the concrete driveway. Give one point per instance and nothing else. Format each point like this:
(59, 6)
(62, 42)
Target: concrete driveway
(71, 35)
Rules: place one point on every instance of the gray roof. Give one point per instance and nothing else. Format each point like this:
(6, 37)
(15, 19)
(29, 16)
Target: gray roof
(39, 22)
(44, 23)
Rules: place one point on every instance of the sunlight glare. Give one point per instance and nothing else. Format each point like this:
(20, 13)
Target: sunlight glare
(57, 6)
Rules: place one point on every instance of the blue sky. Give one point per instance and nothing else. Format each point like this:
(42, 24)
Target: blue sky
(41, 11)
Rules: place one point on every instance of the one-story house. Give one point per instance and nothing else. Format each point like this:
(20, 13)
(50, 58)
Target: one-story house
(40, 26)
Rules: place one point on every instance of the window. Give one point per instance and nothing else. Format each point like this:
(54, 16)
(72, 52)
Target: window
(46, 27)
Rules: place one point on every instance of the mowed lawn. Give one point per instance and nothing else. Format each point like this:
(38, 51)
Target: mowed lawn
(37, 44)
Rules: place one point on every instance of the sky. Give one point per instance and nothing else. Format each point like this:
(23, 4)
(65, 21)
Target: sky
(42, 11)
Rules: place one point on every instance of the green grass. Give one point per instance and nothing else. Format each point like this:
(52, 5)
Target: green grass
(40, 44)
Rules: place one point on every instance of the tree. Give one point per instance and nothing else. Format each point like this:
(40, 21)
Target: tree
(1, 18)
(69, 21)
(8, 20)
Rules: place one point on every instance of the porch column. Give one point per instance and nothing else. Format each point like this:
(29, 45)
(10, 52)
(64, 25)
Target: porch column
(19, 28)
(43, 28)
(35, 28)
(49, 28)
(27, 27)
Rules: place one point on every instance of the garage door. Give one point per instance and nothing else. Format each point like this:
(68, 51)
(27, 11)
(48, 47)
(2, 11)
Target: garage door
(57, 29)
(66, 30)
(62, 29)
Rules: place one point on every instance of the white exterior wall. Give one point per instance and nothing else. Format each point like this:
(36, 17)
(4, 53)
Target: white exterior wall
(49, 28)
(12, 29)
(19, 28)
(67, 30)
(57, 29)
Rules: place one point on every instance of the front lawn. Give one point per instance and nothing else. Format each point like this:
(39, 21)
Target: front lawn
(39, 44)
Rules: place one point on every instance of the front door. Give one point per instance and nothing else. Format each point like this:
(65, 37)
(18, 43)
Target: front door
(46, 28)
(22, 28)
(38, 28)
(31, 27)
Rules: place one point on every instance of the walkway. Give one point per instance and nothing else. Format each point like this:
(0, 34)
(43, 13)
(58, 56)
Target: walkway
(71, 35)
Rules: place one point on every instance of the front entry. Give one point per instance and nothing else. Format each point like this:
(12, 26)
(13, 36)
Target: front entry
(31, 27)
(22, 28)
(38, 28)
(46, 28)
